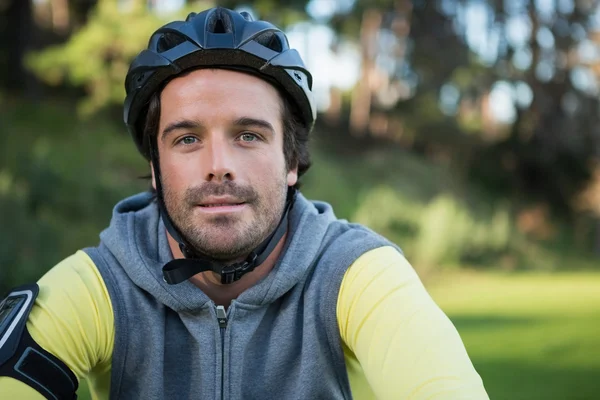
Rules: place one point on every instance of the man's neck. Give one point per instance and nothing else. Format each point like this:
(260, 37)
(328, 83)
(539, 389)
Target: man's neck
(222, 294)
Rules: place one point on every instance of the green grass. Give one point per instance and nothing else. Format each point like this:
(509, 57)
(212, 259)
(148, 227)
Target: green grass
(530, 336)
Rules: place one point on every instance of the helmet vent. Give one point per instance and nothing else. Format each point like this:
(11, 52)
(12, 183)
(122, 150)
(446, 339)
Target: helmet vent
(270, 40)
(219, 22)
(219, 27)
(168, 41)
(247, 16)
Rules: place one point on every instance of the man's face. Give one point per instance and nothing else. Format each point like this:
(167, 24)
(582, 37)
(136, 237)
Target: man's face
(220, 144)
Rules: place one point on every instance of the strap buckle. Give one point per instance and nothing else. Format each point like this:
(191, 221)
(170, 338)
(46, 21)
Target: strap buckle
(233, 272)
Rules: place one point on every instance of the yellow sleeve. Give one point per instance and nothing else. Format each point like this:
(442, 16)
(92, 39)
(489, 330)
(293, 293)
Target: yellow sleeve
(72, 318)
(406, 346)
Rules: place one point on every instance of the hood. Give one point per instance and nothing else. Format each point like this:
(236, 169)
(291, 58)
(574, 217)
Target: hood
(137, 238)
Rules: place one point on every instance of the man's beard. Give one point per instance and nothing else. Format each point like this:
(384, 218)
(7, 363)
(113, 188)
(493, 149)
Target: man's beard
(226, 237)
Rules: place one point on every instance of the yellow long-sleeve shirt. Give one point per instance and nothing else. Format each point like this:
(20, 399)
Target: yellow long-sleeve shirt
(397, 343)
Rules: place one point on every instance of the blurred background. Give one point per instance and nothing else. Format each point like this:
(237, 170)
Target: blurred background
(467, 131)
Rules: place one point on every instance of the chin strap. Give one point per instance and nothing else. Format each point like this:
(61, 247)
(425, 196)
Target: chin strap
(182, 269)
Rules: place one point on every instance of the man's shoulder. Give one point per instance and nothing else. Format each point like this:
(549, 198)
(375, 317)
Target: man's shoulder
(343, 230)
(75, 277)
(78, 264)
(355, 237)
(345, 243)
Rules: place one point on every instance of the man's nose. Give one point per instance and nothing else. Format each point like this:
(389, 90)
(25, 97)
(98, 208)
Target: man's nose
(220, 159)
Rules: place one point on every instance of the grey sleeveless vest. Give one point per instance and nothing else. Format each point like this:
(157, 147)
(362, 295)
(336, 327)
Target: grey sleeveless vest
(280, 339)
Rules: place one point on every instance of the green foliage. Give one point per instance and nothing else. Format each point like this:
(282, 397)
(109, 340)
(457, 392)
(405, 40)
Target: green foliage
(449, 233)
(441, 232)
(97, 57)
(389, 212)
(437, 219)
(326, 180)
(59, 179)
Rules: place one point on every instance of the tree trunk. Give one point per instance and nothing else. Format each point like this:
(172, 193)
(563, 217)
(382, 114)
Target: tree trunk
(360, 110)
(334, 111)
(60, 16)
(18, 32)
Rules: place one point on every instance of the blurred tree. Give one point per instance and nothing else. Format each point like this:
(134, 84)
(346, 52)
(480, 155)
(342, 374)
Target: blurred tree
(28, 25)
(432, 76)
(97, 56)
(557, 134)
(503, 92)
(59, 179)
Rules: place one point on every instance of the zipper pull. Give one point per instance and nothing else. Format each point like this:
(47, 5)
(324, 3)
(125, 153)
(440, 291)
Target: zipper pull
(222, 316)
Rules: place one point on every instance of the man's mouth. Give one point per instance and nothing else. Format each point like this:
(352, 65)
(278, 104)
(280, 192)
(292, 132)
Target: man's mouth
(221, 205)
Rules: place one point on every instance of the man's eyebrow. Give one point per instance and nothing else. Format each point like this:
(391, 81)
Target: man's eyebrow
(183, 124)
(249, 121)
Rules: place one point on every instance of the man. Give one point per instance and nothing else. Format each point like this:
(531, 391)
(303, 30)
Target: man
(225, 282)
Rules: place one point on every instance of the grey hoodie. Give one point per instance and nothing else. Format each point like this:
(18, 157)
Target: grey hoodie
(281, 338)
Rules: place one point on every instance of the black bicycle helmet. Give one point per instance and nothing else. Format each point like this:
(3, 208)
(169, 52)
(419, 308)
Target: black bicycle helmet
(215, 38)
(219, 38)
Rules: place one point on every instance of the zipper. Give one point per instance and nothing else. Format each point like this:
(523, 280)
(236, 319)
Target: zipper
(222, 319)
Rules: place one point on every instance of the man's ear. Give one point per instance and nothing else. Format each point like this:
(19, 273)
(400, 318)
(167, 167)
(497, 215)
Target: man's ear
(153, 177)
(292, 176)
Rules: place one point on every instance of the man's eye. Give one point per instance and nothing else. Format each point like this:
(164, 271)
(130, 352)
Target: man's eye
(248, 137)
(188, 140)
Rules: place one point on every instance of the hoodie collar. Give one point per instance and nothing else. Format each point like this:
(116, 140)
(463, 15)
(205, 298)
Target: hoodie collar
(137, 239)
